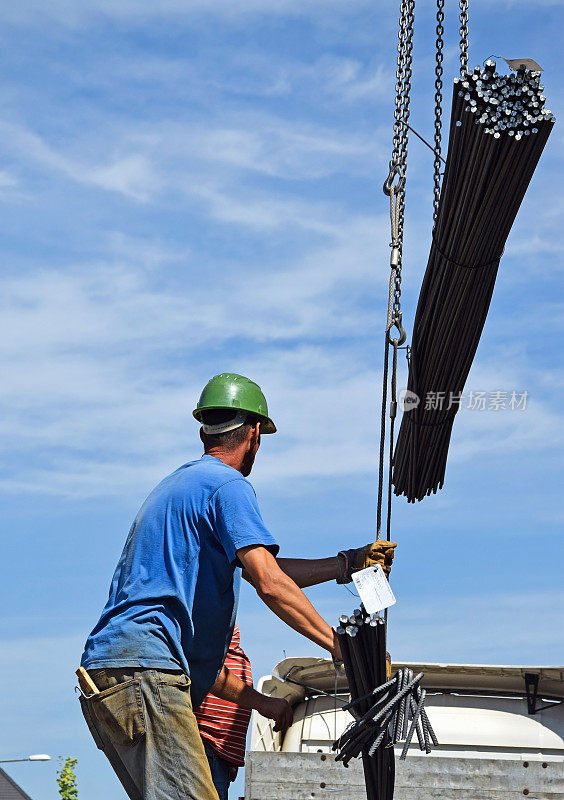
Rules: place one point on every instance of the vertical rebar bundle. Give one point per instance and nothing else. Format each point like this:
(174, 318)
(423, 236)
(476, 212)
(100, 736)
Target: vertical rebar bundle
(499, 127)
(383, 708)
(363, 645)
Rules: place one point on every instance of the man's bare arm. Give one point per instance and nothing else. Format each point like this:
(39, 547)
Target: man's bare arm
(311, 571)
(283, 596)
(307, 571)
(229, 687)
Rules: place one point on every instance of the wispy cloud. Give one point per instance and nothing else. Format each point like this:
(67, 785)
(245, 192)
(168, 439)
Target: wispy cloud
(86, 358)
(88, 364)
(143, 160)
(92, 351)
(7, 181)
(128, 174)
(507, 430)
(71, 14)
(276, 148)
(329, 79)
(189, 187)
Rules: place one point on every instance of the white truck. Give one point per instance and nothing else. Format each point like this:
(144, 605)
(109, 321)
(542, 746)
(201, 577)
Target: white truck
(500, 728)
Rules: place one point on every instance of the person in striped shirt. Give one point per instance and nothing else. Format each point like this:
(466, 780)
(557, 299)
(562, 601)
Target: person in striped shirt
(223, 725)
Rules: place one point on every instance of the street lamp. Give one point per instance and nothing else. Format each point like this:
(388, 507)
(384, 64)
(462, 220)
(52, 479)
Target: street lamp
(38, 757)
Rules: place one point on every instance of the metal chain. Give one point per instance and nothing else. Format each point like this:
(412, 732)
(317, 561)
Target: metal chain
(396, 191)
(399, 87)
(410, 9)
(463, 4)
(438, 108)
(398, 163)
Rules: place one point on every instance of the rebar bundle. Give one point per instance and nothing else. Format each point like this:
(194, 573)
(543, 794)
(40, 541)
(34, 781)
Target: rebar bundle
(386, 711)
(499, 127)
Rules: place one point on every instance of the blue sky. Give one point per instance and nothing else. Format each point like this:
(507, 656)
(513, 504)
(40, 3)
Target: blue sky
(192, 187)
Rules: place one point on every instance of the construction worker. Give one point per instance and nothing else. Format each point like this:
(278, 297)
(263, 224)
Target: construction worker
(223, 725)
(160, 644)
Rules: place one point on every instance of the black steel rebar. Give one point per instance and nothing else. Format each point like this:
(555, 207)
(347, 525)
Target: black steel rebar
(499, 127)
(386, 711)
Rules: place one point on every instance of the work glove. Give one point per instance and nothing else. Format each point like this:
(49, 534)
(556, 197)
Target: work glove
(379, 552)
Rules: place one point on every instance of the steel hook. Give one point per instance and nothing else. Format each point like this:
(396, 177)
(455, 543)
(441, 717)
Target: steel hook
(400, 329)
(396, 169)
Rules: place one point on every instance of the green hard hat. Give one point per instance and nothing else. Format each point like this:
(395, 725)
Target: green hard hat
(229, 390)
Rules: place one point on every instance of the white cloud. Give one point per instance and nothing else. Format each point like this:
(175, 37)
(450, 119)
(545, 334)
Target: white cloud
(131, 175)
(97, 304)
(536, 244)
(350, 80)
(479, 433)
(105, 356)
(266, 212)
(87, 352)
(135, 409)
(128, 174)
(142, 160)
(72, 14)
(241, 145)
(329, 79)
(7, 181)
(102, 361)
(277, 148)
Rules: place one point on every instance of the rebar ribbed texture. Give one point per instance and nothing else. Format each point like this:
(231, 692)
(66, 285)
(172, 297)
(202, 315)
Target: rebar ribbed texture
(499, 127)
(386, 711)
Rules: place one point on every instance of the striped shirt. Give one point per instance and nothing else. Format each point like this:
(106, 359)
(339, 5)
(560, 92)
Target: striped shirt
(223, 725)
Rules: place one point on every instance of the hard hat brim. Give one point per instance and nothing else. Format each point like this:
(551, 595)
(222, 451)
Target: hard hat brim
(266, 424)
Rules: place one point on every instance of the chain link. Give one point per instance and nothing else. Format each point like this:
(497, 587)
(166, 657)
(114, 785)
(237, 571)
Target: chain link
(463, 4)
(396, 192)
(399, 88)
(438, 108)
(398, 162)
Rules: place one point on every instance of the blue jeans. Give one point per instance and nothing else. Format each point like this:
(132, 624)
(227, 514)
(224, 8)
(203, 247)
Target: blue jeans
(220, 771)
(142, 720)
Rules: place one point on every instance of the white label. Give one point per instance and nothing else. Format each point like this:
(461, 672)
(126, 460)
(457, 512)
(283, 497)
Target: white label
(527, 63)
(373, 588)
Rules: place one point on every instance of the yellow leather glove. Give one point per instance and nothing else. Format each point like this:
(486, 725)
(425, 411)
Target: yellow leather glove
(379, 552)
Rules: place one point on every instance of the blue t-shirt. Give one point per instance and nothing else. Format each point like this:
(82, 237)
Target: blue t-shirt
(174, 594)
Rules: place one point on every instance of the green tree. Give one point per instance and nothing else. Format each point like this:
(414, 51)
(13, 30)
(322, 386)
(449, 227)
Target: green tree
(66, 778)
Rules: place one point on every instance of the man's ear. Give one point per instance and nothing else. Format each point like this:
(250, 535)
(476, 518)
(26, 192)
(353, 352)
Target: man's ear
(255, 433)
(202, 435)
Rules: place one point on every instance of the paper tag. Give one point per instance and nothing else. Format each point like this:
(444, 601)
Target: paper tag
(373, 588)
(526, 63)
